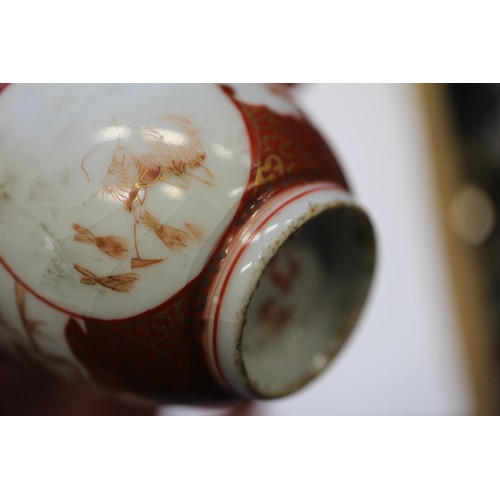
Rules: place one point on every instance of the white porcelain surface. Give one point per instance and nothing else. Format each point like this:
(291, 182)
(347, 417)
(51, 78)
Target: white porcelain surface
(71, 186)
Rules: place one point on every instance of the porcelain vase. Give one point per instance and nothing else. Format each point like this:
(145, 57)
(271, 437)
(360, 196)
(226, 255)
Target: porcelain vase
(182, 243)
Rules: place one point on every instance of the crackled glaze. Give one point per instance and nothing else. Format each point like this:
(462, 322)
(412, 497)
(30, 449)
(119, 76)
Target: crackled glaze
(134, 177)
(136, 221)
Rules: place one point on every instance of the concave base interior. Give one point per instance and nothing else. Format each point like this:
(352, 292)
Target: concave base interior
(307, 301)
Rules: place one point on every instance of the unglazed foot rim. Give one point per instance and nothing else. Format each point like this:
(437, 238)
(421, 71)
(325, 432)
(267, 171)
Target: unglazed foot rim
(289, 225)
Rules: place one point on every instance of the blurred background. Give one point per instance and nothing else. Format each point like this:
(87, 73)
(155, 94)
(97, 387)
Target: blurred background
(424, 160)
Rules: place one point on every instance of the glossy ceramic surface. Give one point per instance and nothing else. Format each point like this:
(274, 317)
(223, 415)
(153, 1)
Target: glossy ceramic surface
(137, 221)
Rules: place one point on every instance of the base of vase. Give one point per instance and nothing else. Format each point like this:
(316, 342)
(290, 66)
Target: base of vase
(289, 292)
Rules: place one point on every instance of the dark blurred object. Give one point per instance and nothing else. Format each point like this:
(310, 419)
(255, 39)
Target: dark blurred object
(477, 111)
(464, 124)
(474, 108)
(26, 390)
